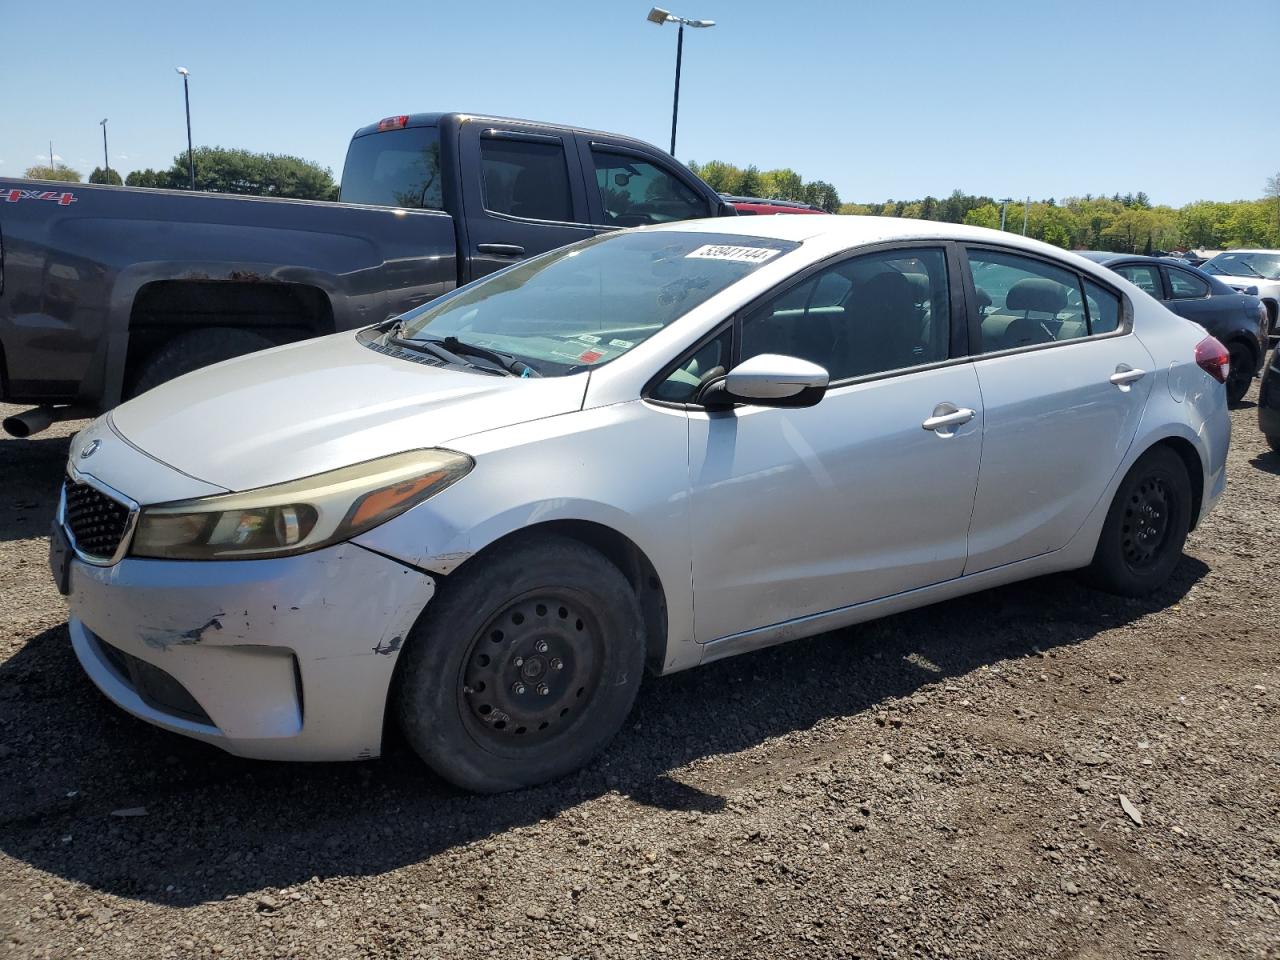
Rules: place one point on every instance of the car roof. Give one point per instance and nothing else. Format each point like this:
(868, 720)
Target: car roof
(851, 231)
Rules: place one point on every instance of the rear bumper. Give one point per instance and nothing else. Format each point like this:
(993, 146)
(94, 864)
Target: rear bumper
(287, 659)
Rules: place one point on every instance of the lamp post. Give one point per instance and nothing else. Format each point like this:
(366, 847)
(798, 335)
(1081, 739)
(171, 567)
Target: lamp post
(186, 96)
(1004, 208)
(106, 162)
(659, 16)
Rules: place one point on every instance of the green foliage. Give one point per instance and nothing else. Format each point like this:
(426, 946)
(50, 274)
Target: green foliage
(105, 176)
(220, 170)
(1128, 223)
(781, 184)
(150, 178)
(59, 171)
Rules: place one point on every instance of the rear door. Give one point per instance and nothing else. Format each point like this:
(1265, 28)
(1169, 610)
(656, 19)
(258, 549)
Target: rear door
(522, 193)
(631, 187)
(1064, 383)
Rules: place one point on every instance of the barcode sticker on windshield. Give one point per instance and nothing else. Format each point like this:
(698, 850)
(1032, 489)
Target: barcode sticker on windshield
(719, 251)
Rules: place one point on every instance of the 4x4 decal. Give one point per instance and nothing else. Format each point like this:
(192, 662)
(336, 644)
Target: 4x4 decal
(13, 195)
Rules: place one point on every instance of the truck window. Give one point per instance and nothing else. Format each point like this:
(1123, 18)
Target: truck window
(394, 168)
(635, 193)
(525, 178)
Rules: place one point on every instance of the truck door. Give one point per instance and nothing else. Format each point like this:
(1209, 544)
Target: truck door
(630, 187)
(522, 193)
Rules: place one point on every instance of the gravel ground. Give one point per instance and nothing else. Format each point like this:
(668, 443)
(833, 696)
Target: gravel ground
(947, 782)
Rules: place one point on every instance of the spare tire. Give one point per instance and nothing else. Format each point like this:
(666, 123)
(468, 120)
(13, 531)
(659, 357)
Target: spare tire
(191, 351)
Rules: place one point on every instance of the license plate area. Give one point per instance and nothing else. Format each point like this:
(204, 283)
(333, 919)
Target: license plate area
(60, 554)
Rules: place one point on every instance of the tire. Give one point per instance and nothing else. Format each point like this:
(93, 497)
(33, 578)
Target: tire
(469, 695)
(1274, 443)
(1129, 560)
(193, 350)
(1240, 379)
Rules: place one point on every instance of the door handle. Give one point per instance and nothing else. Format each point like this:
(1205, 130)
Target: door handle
(1126, 375)
(947, 415)
(501, 249)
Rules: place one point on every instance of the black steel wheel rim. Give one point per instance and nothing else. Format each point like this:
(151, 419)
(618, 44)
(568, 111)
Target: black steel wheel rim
(532, 670)
(1148, 520)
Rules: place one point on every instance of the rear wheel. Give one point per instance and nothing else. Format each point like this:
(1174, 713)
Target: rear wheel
(524, 667)
(193, 350)
(1146, 527)
(1240, 379)
(1274, 443)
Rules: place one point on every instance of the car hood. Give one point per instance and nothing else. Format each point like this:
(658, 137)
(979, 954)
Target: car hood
(313, 406)
(1266, 287)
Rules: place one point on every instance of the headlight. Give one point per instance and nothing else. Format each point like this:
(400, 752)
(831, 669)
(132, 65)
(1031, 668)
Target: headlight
(299, 515)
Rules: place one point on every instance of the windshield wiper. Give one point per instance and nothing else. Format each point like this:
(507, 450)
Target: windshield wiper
(516, 368)
(433, 348)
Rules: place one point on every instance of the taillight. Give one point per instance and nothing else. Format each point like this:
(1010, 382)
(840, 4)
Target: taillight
(1212, 357)
(393, 123)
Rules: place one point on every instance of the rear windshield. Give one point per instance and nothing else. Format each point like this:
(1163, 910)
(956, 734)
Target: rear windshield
(589, 303)
(394, 168)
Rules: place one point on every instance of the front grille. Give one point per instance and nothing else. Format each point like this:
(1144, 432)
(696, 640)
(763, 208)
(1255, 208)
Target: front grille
(156, 687)
(97, 522)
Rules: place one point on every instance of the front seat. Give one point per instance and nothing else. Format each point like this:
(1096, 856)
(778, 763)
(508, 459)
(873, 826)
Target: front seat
(883, 327)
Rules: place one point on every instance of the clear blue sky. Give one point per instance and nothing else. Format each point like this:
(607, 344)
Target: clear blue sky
(884, 99)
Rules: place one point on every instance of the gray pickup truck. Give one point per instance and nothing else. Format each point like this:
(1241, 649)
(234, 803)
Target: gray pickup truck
(107, 291)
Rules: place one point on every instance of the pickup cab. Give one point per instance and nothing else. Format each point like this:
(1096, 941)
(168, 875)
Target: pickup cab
(108, 291)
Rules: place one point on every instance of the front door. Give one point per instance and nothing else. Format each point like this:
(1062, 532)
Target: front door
(1063, 389)
(522, 194)
(869, 493)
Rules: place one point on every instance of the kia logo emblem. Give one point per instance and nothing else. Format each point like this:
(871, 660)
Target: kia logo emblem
(90, 449)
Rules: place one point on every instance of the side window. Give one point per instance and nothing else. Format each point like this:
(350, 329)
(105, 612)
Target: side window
(525, 178)
(1143, 276)
(872, 314)
(1186, 286)
(1031, 302)
(1104, 308)
(635, 193)
(710, 360)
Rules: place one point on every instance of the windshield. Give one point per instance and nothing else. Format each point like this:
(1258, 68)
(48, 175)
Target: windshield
(589, 303)
(394, 168)
(1264, 265)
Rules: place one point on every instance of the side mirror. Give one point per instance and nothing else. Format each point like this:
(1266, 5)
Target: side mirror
(767, 380)
(726, 209)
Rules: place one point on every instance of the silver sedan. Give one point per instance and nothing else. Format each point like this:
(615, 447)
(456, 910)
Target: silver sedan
(485, 518)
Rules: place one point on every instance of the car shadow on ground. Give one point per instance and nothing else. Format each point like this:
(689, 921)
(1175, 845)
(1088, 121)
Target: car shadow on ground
(215, 826)
(1268, 461)
(31, 471)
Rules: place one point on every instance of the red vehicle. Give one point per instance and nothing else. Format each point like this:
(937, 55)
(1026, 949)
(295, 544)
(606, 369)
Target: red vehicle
(759, 206)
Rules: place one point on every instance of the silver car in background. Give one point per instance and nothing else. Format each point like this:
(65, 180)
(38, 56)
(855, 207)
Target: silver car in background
(655, 448)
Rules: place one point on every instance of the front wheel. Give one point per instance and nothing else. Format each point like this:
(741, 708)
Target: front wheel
(1240, 378)
(524, 667)
(1146, 527)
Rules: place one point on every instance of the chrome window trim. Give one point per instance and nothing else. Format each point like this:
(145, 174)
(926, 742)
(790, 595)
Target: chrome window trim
(131, 522)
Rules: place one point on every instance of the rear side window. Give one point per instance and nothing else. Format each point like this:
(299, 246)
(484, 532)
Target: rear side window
(1026, 301)
(636, 193)
(526, 178)
(395, 168)
(1143, 276)
(1186, 286)
(1104, 308)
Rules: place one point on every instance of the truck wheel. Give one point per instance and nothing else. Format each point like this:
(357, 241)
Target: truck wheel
(1146, 527)
(523, 668)
(191, 351)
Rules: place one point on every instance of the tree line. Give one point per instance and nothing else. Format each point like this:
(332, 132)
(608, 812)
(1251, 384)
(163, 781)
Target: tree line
(219, 170)
(1124, 224)
(1130, 223)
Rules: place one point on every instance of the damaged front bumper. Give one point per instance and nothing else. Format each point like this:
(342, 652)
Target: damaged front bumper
(284, 659)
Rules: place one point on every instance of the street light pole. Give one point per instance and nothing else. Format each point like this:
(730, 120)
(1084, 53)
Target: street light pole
(659, 16)
(106, 162)
(1004, 208)
(186, 96)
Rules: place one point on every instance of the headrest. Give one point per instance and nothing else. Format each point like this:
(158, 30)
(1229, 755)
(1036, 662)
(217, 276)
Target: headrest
(1038, 294)
(888, 288)
(919, 286)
